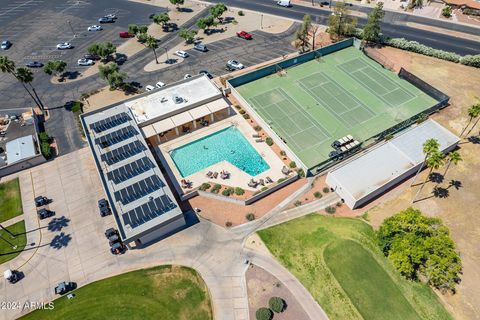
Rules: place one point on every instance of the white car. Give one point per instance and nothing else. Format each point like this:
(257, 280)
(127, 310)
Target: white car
(181, 53)
(160, 84)
(187, 76)
(149, 88)
(95, 28)
(235, 65)
(65, 45)
(111, 16)
(85, 62)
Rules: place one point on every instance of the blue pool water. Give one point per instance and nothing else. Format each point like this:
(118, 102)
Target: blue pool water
(228, 144)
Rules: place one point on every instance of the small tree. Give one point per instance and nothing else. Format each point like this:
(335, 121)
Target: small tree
(103, 50)
(340, 22)
(239, 191)
(302, 33)
(452, 157)
(151, 43)
(434, 161)
(250, 216)
(205, 23)
(187, 35)
(55, 67)
(110, 73)
(429, 146)
(447, 12)
(473, 112)
(161, 18)
(217, 10)
(133, 29)
(263, 314)
(371, 31)
(177, 3)
(46, 150)
(276, 304)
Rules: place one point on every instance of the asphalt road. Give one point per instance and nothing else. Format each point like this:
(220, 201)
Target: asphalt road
(394, 25)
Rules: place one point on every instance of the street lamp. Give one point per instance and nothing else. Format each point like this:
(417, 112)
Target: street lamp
(166, 52)
(71, 28)
(261, 21)
(11, 244)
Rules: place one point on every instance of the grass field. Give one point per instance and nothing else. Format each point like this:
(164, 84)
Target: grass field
(165, 292)
(338, 261)
(6, 251)
(11, 200)
(322, 100)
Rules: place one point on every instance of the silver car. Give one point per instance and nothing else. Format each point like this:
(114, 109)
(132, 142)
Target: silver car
(85, 62)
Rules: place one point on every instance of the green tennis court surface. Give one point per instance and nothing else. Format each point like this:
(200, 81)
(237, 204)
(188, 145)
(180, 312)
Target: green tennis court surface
(324, 99)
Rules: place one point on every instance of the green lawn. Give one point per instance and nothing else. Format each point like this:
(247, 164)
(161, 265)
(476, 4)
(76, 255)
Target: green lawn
(11, 200)
(20, 240)
(164, 292)
(338, 261)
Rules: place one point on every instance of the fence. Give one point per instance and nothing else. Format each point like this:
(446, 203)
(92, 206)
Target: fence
(436, 94)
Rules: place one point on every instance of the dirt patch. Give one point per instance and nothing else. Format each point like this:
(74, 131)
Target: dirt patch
(261, 286)
(459, 208)
(104, 97)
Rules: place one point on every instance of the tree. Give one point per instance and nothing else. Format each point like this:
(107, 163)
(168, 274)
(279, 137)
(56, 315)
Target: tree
(276, 304)
(419, 245)
(187, 35)
(429, 146)
(205, 23)
(415, 4)
(473, 113)
(55, 67)
(133, 29)
(302, 33)
(263, 314)
(151, 43)
(447, 12)
(340, 23)
(25, 76)
(434, 161)
(217, 10)
(371, 30)
(177, 3)
(139, 31)
(452, 157)
(104, 50)
(110, 72)
(161, 18)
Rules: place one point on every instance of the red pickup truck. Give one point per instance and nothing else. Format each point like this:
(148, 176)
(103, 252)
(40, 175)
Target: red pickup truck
(245, 35)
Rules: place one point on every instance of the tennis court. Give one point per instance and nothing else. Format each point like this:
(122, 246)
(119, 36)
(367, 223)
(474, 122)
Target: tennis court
(342, 93)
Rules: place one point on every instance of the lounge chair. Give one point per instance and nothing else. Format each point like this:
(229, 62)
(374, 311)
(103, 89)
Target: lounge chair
(215, 175)
(253, 183)
(285, 170)
(259, 140)
(262, 182)
(224, 175)
(256, 135)
(209, 174)
(269, 180)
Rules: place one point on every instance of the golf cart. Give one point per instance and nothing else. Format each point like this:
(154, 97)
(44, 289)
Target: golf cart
(64, 287)
(12, 276)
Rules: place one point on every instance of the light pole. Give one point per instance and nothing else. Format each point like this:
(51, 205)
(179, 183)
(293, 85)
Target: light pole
(261, 21)
(71, 28)
(166, 52)
(11, 244)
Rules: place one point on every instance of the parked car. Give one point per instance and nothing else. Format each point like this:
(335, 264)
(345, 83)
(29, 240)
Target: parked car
(149, 88)
(284, 3)
(200, 47)
(110, 232)
(117, 248)
(181, 53)
(125, 34)
(324, 3)
(64, 287)
(187, 76)
(95, 28)
(41, 201)
(206, 73)
(113, 239)
(104, 207)
(45, 213)
(92, 56)
(106, 20)
(234, 65)
(160, 84)
(111, 16)
(245, 35)
(34, 64)
(64, 45)
(6, 44)
(12, 276)
(85, 62)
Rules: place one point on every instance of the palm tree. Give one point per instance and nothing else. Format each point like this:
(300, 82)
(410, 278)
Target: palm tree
(452, 157)
(476, 114)
(429, 146)
(25, 76)
(7, 65)
(434, 161)
(151, 43)
(473, 112)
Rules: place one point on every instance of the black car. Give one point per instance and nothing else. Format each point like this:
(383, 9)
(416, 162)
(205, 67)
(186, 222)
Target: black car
(324, 3)
(34, 64)
(205, 72)
(110, 232)
(64, 287)
(41, 201)
(104, 207)
(6, 45)
(45, 213)
(106, 20)
(117, 248)
(89, 56)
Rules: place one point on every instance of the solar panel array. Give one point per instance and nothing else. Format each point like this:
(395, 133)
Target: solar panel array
(123, 152)
(116, 137)
(130, 170)
(110, 122)
(139, 189)
(148, 211)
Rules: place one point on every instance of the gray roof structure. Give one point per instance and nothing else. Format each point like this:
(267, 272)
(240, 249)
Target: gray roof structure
(382, 166)
(20, 149)
(139, 195)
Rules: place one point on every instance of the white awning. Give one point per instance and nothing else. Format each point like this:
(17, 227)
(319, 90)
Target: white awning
(181, 118)
(217, 105)
(163, 125)
(199, 112)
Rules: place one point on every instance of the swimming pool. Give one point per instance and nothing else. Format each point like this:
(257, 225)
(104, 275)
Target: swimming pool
(228, 144)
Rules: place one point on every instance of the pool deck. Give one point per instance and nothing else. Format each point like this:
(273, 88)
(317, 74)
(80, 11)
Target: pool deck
(238, 178)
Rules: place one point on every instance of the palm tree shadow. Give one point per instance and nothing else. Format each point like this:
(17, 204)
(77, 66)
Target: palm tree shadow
(436, 177)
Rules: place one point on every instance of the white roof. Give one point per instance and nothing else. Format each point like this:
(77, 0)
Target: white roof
(382, 164)
(20, 149)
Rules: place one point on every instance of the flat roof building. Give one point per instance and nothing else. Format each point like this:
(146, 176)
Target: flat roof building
(359, 181)
(20, 149)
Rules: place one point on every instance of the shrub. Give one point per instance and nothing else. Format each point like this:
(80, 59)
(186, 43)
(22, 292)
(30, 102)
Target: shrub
(239, 191)
(257, 128)
(269, 141)
(283, 153)
(46, 150)
(241, 111)
(301, 173)
(264, 314)
(317, 194)
(205, 186)
(216, 188)
(77, 107)
(241, 13)
(414, 46)
(246, 116)
(228, 224)
(281, 180)
(276, 304)
(472, 61)
(227, 192)
(326, 189)
(292, 164)
(250, 216)
(297, 203)
(264, 188)
(330, 210)
(447, 12)
(389, 137)
(339, 204)
(43, 136)
(237, 107)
